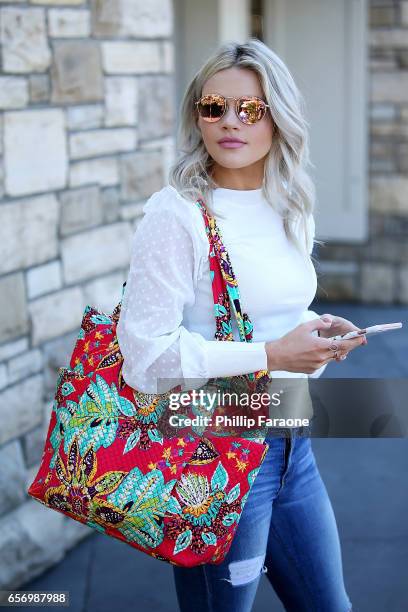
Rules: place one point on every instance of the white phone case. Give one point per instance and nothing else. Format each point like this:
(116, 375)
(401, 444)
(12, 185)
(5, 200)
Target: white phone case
(368, 331)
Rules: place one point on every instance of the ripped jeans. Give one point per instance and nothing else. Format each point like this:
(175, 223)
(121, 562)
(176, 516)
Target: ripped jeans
(287, 531)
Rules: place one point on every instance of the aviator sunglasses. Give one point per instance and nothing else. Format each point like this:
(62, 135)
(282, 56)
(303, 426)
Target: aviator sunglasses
(249, 109)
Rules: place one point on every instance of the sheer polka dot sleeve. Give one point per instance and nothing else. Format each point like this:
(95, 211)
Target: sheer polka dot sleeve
(159, 352)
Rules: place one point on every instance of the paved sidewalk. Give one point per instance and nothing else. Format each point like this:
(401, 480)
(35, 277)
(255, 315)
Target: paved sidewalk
(366, 480)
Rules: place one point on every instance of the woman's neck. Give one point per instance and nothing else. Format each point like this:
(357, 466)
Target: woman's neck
(238, 182)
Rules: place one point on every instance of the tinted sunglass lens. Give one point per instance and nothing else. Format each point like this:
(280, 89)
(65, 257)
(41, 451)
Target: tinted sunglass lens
(250, 110)
(211, 108)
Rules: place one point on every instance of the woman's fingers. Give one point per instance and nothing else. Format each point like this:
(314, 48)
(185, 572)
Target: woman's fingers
(339, 349)
(346, 345)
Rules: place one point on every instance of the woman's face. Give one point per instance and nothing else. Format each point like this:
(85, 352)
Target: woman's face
(242, 165)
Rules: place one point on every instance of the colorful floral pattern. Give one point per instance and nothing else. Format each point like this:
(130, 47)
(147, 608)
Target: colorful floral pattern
(108, 463)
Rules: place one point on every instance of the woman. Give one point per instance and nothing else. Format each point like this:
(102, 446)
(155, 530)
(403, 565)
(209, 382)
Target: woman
(244, 147)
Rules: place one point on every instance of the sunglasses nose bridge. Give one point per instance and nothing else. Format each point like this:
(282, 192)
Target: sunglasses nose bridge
(231, 110)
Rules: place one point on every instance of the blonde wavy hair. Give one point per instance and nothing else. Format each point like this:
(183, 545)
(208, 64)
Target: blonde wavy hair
(287, 186)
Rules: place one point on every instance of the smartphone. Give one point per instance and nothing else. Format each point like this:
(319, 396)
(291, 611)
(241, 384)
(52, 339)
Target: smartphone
(368, 331)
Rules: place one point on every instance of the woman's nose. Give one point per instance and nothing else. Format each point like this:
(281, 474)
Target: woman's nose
(230, 116)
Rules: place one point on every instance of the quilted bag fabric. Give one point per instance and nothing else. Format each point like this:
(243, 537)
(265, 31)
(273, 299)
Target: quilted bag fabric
(108, 464)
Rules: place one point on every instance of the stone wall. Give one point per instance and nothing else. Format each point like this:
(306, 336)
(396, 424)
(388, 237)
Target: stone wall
(81, 150)
(377, 271)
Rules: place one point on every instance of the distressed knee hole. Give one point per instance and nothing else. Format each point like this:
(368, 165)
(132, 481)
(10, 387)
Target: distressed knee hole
(245, 571)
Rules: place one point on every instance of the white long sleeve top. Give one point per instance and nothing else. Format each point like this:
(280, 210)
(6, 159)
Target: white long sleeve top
(166, 326)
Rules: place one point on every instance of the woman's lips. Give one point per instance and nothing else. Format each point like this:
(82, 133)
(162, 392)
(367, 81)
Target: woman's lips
(231, 144)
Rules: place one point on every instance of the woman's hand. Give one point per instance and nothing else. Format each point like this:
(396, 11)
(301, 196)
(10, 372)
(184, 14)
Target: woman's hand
(338, 327)
(301, 351)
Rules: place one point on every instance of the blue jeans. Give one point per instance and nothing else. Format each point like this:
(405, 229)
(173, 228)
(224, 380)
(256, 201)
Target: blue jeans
(287, 530)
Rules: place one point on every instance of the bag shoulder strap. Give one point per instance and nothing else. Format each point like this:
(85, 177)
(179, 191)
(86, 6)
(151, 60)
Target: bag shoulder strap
(224, 283)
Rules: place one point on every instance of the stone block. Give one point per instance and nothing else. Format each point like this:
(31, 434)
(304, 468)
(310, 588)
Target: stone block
(55, 314)
(156, 120)
(391, 38)
(13, 92)
(103, 171)
(31, 539)
(403, 284)
(13, 307)
(32, 222)
(167, 147)
(390, 86)
(39, 86)
(24, 40)
(93, 143)
(34, 142)
(76, 72)
(381, 64)
(404, 13)
(388, 130)
(337, 287)
(337, 280)
(382, 166)
(168, 56)
(69, 23)
(381, 149)
(402, 150)
(121, 99)
(401, 56)
(389, 194)
(110, 204)
(21, 408)
(383, 112)
(44, 279)
(130, 57)
(85, 117)
(141, 174)
(132, 18)
(59, 2)
(3, 376)
(382, 16)
(25, 365)
(95, 252)
(1, 179)
(389, 248)
(378, 283)
(80, 209)
(10, 349)
(12, 477)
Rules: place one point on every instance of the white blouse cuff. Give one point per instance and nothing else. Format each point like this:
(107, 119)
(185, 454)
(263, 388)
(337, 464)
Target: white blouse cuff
(232, 358)
(224, 358)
